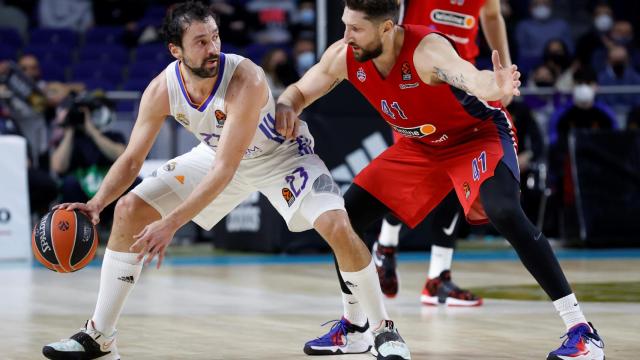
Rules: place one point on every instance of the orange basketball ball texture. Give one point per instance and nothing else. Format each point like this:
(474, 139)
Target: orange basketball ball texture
(64, 241)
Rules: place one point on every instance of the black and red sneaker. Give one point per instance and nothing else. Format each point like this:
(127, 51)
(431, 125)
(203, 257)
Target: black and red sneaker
(442, 290)
(384, 257)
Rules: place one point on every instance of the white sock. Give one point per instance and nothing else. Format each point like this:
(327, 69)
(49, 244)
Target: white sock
(364, 284)
(120, 271)
(352, 310)
(569, 310)
(389, 234)
(441, 258)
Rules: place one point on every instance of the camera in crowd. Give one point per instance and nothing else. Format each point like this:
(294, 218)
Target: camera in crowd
(99, 107)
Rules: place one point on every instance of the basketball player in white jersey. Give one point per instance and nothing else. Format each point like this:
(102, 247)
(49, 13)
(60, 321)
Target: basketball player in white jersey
(223, 99)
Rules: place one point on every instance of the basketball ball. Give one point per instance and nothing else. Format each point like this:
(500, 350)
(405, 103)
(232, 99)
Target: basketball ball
(64, 241)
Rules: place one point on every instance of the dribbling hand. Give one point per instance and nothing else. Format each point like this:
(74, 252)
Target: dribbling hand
(507, 79)
(91, 210)
(287, 121)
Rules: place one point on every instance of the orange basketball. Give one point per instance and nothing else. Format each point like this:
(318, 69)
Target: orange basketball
(64, 241)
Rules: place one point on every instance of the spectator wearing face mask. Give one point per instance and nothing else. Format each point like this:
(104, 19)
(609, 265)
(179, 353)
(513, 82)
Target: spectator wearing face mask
(304, 53)
(583, 112)
(621, 34)
(619, 72)
(534, 33)
(557, 58)
(594, 38)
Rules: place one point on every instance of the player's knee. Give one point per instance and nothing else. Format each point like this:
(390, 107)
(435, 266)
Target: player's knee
(502, 211)
(334, 227)
(128, 207)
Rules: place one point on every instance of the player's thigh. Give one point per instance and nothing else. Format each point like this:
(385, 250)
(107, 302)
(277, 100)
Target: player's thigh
(301, 189)
(171, 184)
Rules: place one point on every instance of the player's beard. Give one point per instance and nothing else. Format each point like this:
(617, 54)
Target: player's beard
(366, 54)
(203, 71)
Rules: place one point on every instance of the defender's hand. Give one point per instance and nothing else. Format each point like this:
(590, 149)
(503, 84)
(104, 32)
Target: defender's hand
(92, 210)
(153, 240)
(287, 121)
(507, 79)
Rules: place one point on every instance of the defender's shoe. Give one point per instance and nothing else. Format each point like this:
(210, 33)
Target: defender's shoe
(87, 344)
(384, 257)
(342, 338)
(442, 290)
(388, 344)
(582, 343)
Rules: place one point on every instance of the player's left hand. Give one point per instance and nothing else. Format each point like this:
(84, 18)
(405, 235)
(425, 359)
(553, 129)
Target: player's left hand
(153, 240)
(507, 79)
(287, 121)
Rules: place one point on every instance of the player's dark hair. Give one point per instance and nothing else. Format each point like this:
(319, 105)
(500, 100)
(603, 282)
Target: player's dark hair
(375, 9)
(180, 17)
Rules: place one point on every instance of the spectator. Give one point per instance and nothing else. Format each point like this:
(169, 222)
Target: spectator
(122, 13)
(304, 52)
(543, 78)
(557, 58)
(619, 72)
(13, 17)
(533, 34)
(85, 151)
(276, 65)
(595, 37)
(235, 22)
(621, 34)
(66, 14)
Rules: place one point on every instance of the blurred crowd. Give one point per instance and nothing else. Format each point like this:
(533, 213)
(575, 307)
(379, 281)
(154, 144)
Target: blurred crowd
(59, 57)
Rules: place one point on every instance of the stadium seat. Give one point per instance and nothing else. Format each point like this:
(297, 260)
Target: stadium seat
(55, 53)
(104, 35)
(104, 53)
(54, 37)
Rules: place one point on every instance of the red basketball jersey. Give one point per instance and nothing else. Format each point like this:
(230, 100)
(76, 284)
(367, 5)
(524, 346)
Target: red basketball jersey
(458, 19)
(440, 115)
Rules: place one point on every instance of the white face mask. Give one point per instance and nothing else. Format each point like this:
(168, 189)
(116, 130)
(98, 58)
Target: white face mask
(603, 22)
(583, 94)
(541, 12)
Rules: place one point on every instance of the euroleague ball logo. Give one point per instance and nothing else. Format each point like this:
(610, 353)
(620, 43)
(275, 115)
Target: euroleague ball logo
(63, 225)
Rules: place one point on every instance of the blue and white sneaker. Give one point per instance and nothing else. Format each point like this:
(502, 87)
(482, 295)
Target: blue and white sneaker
(87, 344)
(582, 343)
(388, 344)
(342, 338)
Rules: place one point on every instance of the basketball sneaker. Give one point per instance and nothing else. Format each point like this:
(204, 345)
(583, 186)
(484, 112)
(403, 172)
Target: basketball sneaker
(342, 338)
(582, 343)
(87, 344)
(384, 257)
(388, 344)
(442, 290)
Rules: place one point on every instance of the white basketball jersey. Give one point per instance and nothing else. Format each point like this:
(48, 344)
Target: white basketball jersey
(207, 119)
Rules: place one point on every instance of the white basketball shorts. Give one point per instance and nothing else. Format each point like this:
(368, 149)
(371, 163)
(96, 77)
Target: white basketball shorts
(296, 182)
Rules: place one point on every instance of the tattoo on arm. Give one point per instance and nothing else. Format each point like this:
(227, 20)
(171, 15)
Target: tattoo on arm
(335, 83)
(457, 80)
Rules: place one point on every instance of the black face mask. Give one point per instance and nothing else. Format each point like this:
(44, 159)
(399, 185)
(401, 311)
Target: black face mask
(544, 83)
(559, 59)
(618, 69)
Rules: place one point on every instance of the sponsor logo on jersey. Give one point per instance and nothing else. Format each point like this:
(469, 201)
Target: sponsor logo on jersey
(406, 71)
(409, 86)
(170, 166)
(288, 196)
(220, 118)
(452, 18)
(466, 189)
(182, 119)
(442, 139)
(361, 75)
(415, 132)
(180, 179)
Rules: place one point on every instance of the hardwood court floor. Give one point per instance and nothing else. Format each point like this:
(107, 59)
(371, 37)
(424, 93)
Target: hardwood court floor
(268, 311)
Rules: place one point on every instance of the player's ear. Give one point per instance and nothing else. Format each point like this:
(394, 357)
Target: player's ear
(176, 51)
(386, 26)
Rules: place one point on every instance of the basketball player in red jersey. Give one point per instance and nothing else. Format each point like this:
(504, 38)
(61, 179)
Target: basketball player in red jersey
(452, 140)
(458, 20)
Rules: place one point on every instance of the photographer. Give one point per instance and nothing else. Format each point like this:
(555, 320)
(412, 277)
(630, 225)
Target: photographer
(84, 152)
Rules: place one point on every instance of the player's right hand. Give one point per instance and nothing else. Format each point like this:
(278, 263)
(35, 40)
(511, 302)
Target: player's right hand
(89, 209)
(287, 121)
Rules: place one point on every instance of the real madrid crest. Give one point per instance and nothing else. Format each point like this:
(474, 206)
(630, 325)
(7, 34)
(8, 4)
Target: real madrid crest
(182, 119)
